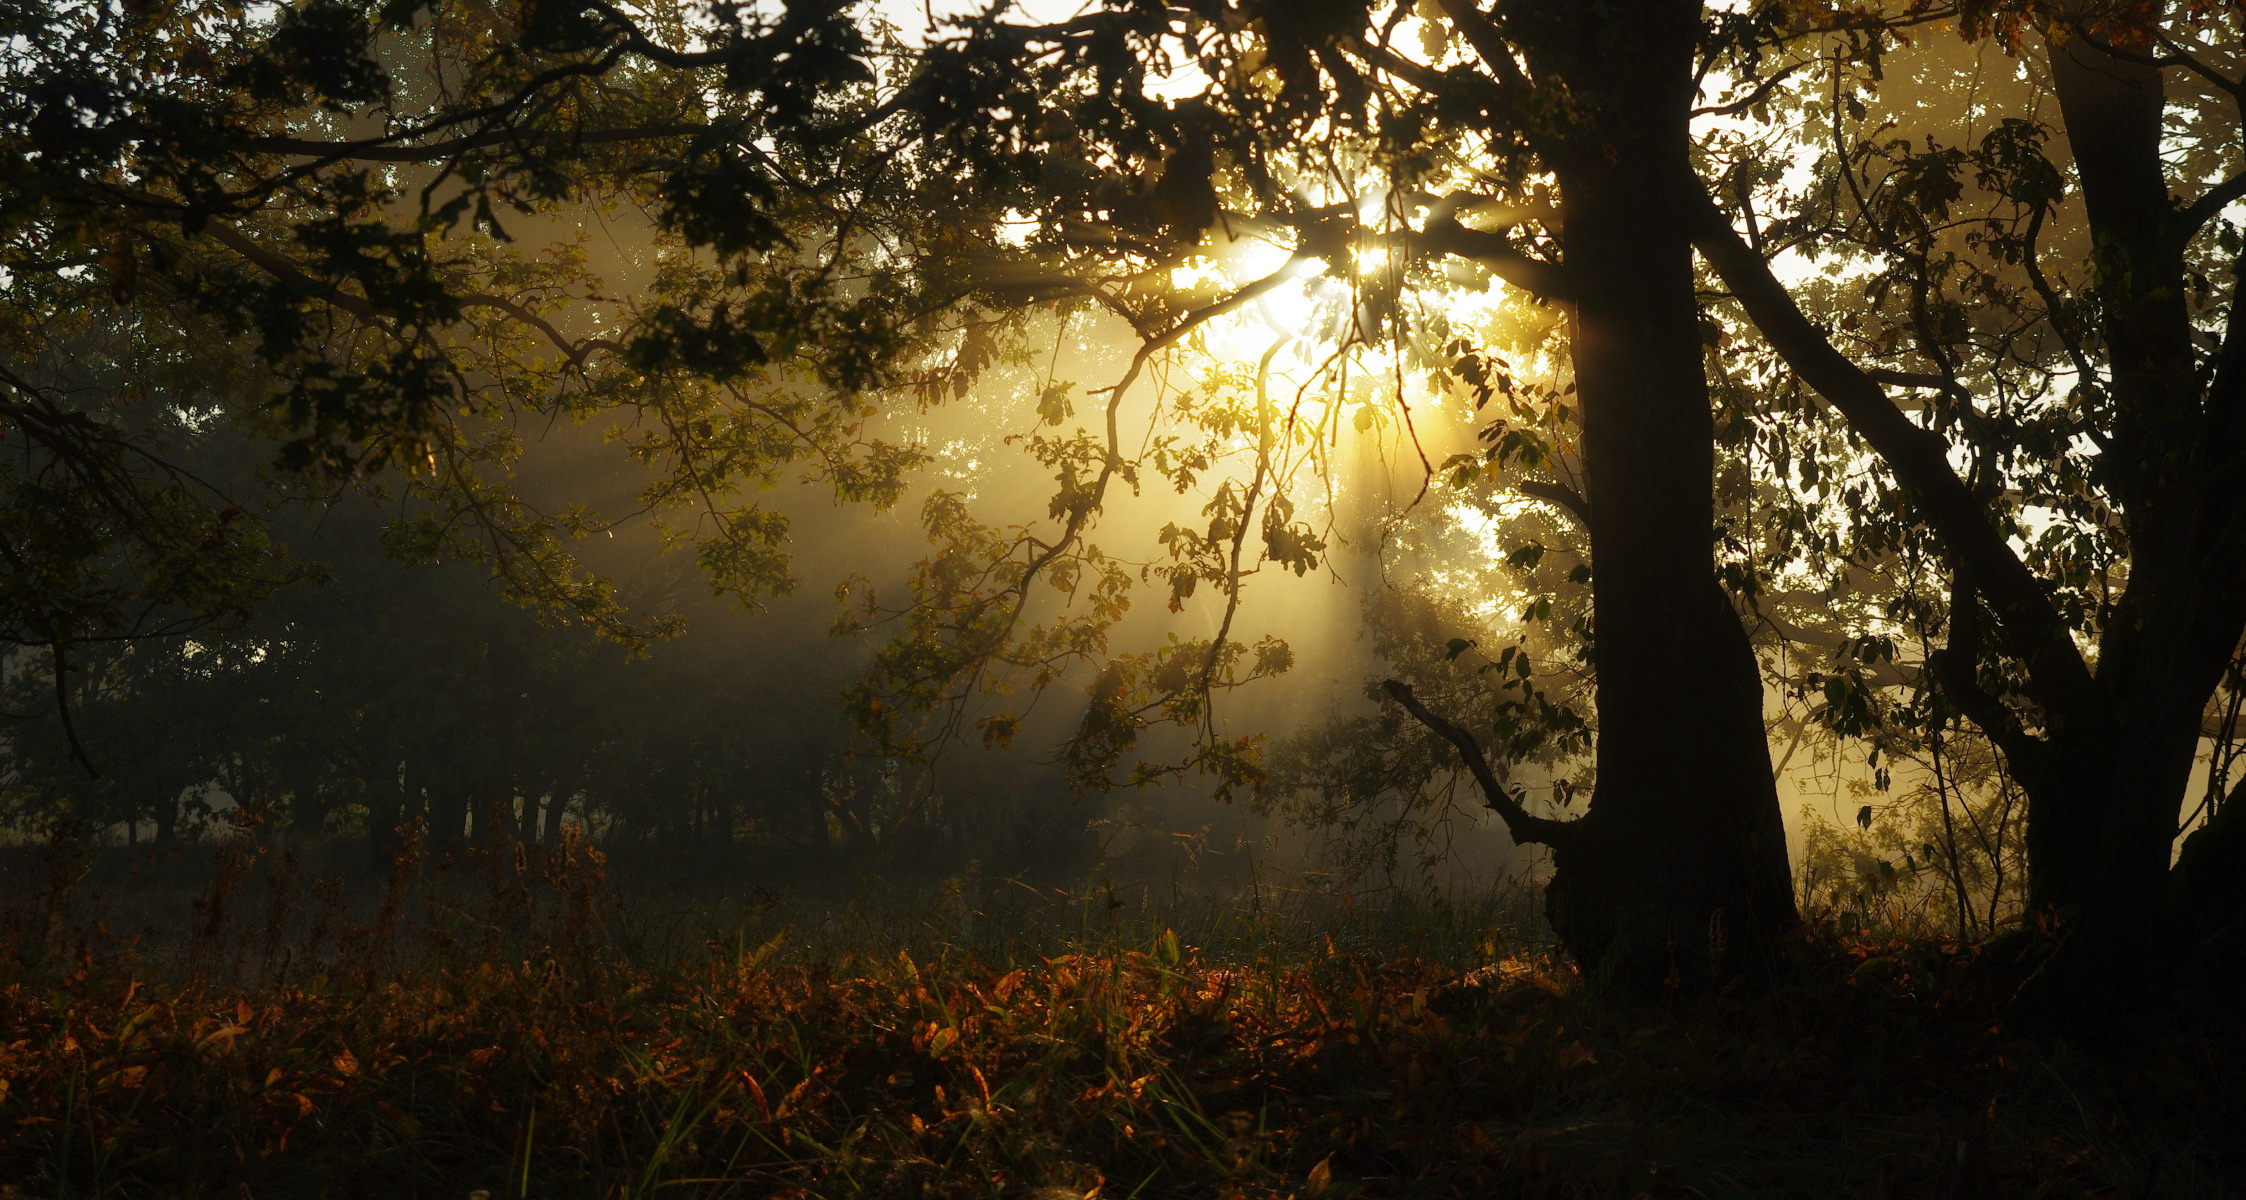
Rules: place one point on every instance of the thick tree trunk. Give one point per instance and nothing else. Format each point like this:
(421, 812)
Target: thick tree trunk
(2207, 904)
(2065, 784)
(1677, 877)
(2105, 803)
(2101, 869)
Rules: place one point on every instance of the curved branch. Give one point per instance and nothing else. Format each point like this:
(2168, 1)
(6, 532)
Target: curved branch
(1444, 235)
(1560, 494)
(1525, 827)
(2030, 624)
(1956, 667)
(2214, 200)
(576, 352)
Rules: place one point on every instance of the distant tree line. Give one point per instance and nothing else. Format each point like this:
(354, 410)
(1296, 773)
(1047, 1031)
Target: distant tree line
(382, 701)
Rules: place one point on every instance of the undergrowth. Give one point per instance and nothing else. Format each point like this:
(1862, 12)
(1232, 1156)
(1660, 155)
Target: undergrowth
(499, 1030)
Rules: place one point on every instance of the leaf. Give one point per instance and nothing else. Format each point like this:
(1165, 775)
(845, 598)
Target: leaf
(1457, 647)
(1053, 405)
(1433, 39)
(1166, 949)
(999, 730)
(1321, 1176)
(1864, 817)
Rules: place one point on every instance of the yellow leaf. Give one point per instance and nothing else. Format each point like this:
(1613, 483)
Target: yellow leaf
(1322, 1175)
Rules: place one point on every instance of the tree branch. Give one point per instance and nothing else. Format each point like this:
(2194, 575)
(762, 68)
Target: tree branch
(1443, 234)
(1560, 494)
(2212, 201)
(1525, 827)
(1488, 42)
(1957, 667)
(2031, 626)
(288, 272)
(388, 149)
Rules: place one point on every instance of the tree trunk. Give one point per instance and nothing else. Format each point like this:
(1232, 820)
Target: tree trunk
(448, 813)
(2104, 808)
(2106, 778)
(385, 809)
(2207, 903)
(1677, 877)
(308, 803)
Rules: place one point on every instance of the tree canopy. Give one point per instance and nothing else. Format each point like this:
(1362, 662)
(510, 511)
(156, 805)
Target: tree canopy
(1882, 359)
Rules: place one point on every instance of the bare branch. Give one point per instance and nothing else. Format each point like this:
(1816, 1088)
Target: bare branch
(1525, 827)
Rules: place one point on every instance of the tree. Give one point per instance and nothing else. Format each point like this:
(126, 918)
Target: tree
(2077, 359)
(198, 165)
(1681, 860)
(1679, 867)
(831, 235)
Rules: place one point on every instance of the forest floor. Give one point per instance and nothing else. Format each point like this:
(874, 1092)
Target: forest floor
(501, 1031)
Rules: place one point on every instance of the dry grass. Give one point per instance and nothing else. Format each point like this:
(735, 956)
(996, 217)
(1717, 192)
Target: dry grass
(443, 1040)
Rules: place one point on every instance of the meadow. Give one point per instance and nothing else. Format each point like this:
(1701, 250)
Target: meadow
(510, 1021)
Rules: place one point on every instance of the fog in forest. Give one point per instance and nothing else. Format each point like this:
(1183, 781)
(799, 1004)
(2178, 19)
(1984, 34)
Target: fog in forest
(429, 666)
(725, 740)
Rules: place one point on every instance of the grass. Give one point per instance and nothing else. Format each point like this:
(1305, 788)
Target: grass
(510, 1027)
